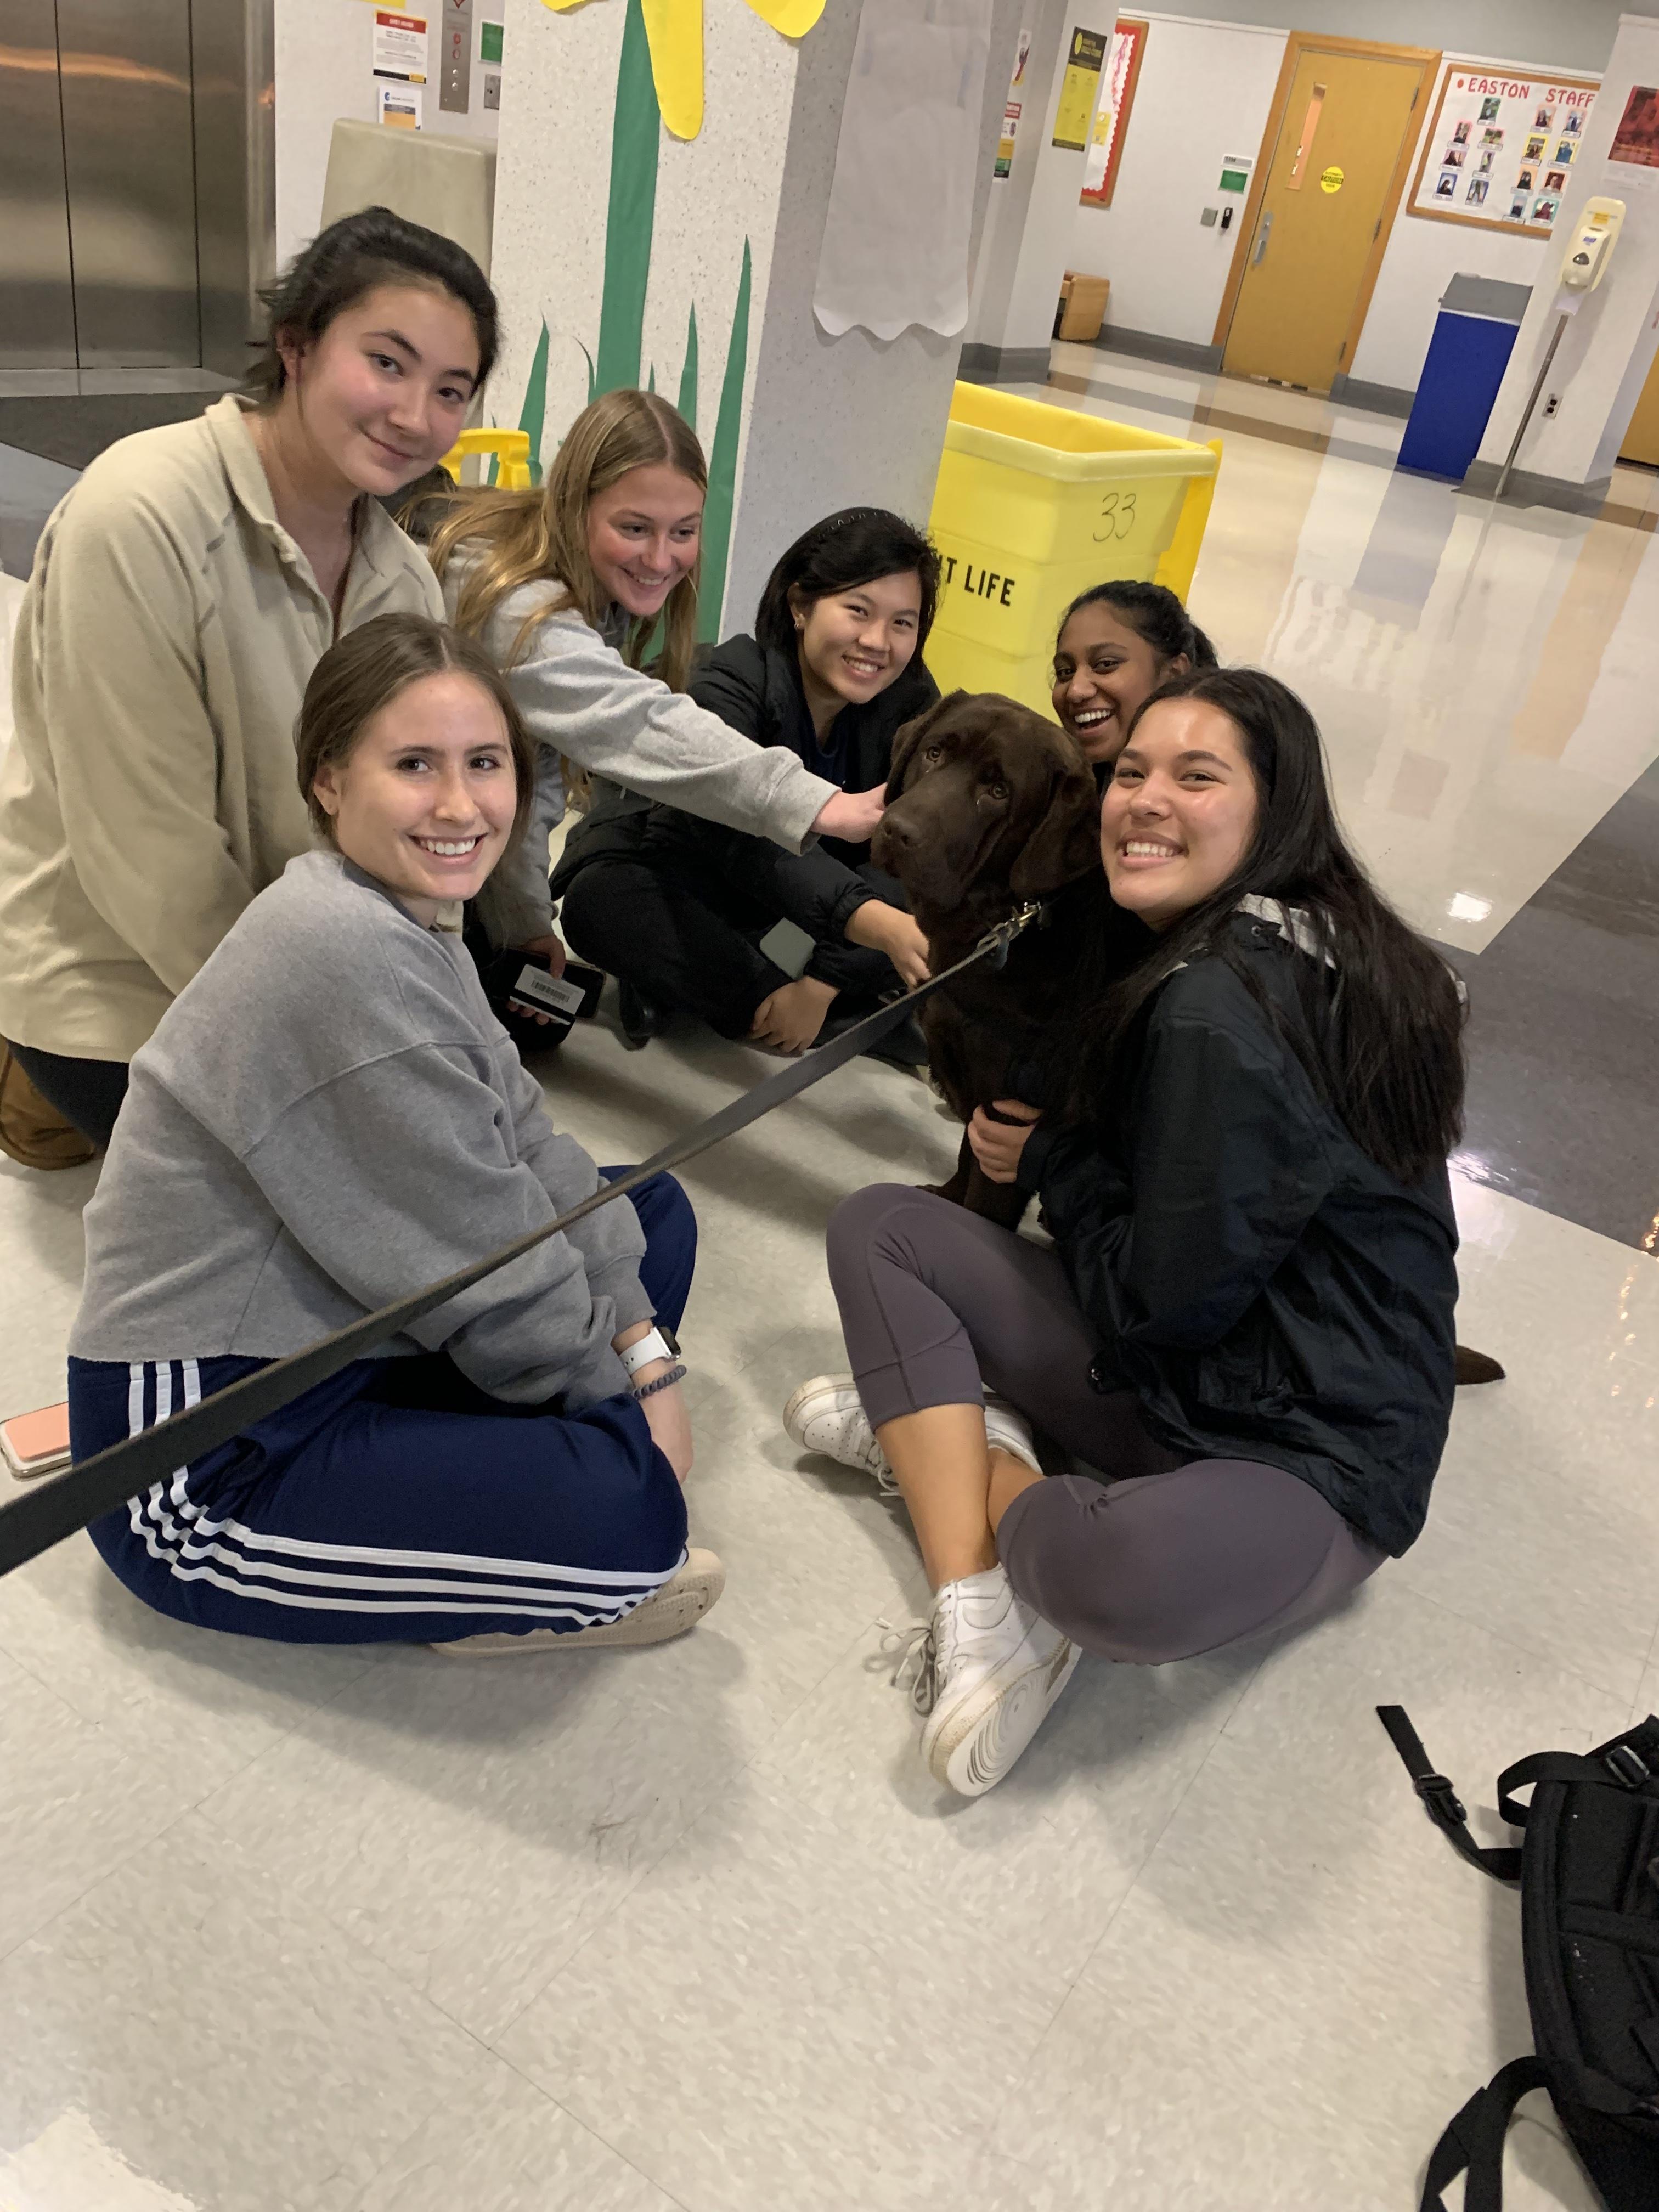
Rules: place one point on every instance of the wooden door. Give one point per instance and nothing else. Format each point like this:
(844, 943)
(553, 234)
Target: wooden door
(1331, 183)
(1641, 442)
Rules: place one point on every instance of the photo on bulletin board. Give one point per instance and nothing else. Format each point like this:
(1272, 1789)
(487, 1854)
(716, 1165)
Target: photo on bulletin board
(1513, 181)
(1637, 139)
(1118, 79)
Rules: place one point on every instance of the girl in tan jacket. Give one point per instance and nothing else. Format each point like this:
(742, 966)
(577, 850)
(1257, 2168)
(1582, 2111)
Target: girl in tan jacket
(181, 595)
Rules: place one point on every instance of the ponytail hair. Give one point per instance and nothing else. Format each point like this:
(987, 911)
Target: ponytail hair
(1154, 613)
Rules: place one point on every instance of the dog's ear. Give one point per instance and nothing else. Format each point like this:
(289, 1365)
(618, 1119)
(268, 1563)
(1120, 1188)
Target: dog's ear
(1066, 843)
(909, 736)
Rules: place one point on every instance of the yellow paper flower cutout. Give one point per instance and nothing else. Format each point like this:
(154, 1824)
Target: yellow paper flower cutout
(673, 30)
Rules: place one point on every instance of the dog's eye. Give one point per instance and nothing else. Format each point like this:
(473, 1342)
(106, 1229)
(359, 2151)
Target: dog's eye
(933, 752)
(999, 790)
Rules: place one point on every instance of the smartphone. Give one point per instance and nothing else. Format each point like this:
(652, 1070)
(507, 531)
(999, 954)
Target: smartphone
(36, 1444)
(537, 990)
(525, 984)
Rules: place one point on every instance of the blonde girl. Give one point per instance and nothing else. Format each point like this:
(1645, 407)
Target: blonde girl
(570, 587)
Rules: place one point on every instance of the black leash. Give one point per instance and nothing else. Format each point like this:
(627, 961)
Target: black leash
(56, 1506)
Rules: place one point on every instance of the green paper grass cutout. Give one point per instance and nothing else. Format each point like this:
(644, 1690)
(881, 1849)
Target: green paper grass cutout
(614, 363)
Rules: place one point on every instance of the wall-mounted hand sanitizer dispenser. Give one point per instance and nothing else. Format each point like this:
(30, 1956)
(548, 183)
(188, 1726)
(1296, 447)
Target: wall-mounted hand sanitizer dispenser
(1590, 249)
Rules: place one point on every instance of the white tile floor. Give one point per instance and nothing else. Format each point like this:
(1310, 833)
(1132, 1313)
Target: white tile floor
(283, 1929)
(286, 1929)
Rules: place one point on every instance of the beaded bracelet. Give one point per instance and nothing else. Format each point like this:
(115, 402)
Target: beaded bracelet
(676, 1374)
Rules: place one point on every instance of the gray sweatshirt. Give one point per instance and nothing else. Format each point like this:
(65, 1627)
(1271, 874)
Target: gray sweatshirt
(327, 1117)
(581, 700)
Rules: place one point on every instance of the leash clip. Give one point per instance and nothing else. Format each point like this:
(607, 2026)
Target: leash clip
(998, 940)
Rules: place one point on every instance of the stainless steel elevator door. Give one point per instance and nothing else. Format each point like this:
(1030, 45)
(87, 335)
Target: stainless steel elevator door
(37, 305)
(128, 153)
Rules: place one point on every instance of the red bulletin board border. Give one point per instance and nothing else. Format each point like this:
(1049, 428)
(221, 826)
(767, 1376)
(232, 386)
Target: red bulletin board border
(1137, 30)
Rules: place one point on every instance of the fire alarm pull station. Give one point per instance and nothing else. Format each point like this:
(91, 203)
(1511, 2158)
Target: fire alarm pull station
(1583, 264)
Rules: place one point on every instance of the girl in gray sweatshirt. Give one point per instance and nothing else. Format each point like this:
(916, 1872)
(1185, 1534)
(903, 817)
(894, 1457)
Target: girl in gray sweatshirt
(326, 1118)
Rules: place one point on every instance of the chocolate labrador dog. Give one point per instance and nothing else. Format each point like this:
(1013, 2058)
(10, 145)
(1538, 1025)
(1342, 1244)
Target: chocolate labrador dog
(990, 807)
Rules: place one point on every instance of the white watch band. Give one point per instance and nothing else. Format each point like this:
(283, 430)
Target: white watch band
(649, 1347)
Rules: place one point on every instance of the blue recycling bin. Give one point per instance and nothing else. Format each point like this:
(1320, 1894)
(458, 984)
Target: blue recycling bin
(1473, 337)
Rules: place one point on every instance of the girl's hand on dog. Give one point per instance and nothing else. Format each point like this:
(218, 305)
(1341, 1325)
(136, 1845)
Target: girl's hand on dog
(851, 816)
(997, 1145)
(889, 929)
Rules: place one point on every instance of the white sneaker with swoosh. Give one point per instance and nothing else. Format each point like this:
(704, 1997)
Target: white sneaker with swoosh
(996, 1670)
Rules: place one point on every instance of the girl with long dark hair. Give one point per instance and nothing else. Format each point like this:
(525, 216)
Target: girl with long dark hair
(1245, 1323)
(182, 593)
(678, 911)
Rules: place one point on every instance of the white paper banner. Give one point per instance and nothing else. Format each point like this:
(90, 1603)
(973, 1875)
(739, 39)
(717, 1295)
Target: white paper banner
(901, 210)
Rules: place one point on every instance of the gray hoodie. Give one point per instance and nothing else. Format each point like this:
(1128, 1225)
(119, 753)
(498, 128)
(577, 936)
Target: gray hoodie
(581, 700)
(327, 1117)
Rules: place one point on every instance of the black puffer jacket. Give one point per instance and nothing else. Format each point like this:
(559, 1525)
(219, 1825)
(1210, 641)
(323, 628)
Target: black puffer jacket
(1266, 1290)
(759, 692)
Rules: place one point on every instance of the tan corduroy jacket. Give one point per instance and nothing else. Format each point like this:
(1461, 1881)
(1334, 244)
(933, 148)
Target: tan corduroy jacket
(162, 649)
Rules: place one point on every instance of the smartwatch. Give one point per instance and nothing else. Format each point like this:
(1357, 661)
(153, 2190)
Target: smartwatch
(660, 1343)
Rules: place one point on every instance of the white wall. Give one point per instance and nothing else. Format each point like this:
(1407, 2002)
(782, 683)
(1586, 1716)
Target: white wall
(1424, 255)
(1007, 231)
(1545, 34)
(1204, 91)
(324, 57)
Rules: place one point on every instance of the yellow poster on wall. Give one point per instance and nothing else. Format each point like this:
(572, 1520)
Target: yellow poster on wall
(1078, 90)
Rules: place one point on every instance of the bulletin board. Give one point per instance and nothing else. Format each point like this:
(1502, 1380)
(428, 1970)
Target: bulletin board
(1117, 93)
(1501, 148)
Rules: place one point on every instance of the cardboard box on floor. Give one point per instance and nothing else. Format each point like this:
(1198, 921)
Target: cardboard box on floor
(1082, 306)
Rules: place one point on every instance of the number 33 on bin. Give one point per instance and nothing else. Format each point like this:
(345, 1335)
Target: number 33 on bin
(1117, 517)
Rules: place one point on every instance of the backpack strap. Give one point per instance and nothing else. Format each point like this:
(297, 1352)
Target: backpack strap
(1474, 2140)
(1620, 1765)
(1441, 1804)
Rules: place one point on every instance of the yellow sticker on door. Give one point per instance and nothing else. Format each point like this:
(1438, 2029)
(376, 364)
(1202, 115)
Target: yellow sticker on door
(1330, 179)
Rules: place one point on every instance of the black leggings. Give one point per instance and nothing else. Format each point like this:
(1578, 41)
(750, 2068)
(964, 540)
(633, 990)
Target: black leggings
(1163, 1561)
(87, 1093)
(683, 935)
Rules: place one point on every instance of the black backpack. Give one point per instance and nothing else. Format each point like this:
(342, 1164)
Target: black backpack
(1589, 1871)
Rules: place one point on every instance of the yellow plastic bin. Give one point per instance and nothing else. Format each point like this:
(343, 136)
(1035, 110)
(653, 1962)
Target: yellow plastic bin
(1035, 503)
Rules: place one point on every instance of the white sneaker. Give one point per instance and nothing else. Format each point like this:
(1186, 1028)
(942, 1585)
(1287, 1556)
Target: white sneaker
(991, 1668)
(827, 1415)
(680, 1604)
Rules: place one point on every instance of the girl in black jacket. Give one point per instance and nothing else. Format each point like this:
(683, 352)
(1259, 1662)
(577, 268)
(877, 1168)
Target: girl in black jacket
(1246, 1321)
(677, 908)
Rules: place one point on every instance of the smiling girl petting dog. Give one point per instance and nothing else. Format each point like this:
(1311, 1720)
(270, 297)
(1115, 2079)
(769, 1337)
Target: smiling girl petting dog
(1243, 1335)
(572, 589)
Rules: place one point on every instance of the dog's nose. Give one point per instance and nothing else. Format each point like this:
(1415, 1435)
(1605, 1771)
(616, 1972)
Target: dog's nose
(894, 830)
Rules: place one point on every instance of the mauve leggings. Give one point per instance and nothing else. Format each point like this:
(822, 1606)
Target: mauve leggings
(1167, 1559)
